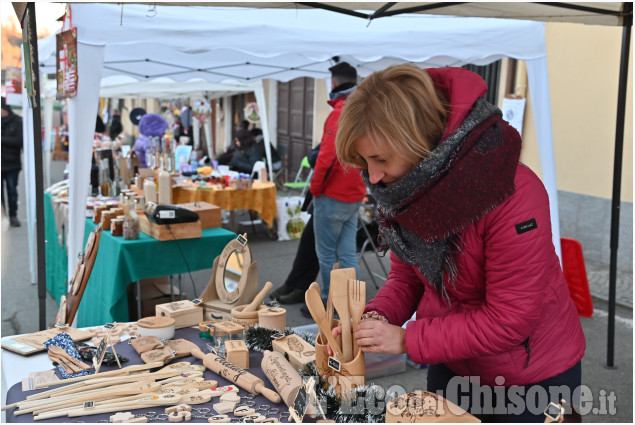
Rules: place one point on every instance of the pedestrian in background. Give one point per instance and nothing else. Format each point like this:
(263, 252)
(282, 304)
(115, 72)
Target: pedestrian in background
(337, 189)
(11, 160)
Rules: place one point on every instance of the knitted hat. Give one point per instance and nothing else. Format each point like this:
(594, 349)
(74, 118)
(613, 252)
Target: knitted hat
(152, 125)
(344, 71)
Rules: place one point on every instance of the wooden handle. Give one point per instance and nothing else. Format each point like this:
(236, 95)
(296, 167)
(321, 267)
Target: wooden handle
(252, 306)
(316, 308)
(270, 395)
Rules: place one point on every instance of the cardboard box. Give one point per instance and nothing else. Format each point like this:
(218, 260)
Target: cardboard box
(209, 214)
(186, 313)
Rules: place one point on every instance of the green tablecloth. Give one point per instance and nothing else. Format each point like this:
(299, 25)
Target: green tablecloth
(120, 262)
(56, 256)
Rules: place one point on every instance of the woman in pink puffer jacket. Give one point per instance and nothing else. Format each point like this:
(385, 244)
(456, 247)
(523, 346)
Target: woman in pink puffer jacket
(469, 231)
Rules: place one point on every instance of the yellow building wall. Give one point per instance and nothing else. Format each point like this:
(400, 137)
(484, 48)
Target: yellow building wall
(583, 65)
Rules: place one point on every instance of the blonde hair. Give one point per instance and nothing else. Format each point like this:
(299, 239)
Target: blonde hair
(398, 106)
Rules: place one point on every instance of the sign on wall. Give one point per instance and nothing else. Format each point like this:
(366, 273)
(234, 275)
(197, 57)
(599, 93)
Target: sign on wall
(67, 64)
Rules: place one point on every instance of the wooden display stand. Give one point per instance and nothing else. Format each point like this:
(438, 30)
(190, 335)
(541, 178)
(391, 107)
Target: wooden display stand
(216, 299)
(176, 231)
(208, 214)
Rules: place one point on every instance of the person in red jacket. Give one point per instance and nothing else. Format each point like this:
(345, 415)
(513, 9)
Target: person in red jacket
(469, 233)
(337, 189)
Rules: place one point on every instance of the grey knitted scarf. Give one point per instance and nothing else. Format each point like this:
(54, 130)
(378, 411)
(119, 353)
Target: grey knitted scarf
(467, 175)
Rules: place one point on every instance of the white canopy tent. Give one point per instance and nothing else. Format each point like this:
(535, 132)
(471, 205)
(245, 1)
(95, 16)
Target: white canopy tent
(221, 44)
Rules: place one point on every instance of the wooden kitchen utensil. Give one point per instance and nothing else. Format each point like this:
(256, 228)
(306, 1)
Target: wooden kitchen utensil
(356, 305)
(339, 293)
(316, 308)
(252, 306)
(238, 376)
(339, 278)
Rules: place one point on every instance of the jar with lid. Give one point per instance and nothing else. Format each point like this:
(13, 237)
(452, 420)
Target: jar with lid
(131, 223)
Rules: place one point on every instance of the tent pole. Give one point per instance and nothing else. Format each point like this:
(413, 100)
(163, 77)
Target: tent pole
(617, 180)
(31, 35)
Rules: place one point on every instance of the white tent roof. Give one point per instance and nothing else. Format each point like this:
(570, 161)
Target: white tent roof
(225, 44)
(228, 45)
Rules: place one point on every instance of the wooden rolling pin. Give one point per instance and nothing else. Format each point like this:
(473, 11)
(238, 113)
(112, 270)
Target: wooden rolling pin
(285, 379)
(238, 376)
(252, 306)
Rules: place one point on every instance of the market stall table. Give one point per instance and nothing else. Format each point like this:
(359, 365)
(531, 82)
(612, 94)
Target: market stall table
(120, 262)
(16, 394)
(261, 197)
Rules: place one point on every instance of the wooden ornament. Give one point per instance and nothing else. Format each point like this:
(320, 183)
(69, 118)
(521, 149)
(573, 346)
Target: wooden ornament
(180, 416)
(218, 419)
(236, 352)
(238, 376)
(425, 407)
(224, 407)
(244, 411)
(179, 408)
(222, 390)
(231, 397)
(127, 417)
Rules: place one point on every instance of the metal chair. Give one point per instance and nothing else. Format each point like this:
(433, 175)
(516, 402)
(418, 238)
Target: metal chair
(366, 216)
(300, 182)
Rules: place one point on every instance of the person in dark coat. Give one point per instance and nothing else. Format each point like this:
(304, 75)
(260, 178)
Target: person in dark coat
(11, 160)
(246, 153)
(115, 126)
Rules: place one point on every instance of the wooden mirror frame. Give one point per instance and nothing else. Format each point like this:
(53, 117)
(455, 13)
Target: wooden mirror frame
(233, 246)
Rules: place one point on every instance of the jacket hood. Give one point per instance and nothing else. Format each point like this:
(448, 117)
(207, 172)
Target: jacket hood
(461, 88)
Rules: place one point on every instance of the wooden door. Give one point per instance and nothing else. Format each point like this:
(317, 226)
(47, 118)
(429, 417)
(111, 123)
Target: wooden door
(295, 120)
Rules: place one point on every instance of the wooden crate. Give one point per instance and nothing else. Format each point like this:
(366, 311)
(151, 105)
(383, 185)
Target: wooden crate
(176, 231)
(185, 312)
(208, 214)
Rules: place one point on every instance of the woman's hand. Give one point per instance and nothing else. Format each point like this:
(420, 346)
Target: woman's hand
(337, 331)
(376, 336)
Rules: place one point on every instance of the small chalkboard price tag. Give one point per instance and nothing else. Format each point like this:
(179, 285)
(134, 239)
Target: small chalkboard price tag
(109, 325)
(334, 364)
(277, 335)
(88, 404)
(242, 240)
(300, 404)
(62, 325)
(197, 301)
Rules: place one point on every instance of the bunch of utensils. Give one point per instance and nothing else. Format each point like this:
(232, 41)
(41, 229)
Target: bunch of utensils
(133, 387)
(70, 364)
(347, 296)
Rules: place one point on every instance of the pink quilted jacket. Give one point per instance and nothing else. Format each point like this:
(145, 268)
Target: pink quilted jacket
(511, 314)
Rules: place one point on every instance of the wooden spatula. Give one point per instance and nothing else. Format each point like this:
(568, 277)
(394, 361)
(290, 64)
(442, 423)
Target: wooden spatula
(316, 308)
(316, 287)
(356, 305)
(339, 291)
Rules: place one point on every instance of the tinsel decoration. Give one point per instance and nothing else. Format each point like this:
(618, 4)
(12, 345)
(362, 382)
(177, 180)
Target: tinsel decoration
(259, 338)
(344, 412)
(272, 303)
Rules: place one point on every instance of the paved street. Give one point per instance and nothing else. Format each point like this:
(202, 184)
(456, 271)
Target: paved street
(20, 307)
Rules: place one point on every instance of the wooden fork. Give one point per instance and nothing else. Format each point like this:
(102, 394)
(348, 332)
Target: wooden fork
(356, 305)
